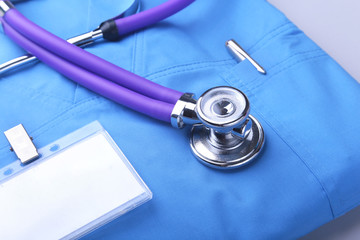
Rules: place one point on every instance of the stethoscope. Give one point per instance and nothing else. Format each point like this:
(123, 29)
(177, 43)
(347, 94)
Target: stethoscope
(224, 134)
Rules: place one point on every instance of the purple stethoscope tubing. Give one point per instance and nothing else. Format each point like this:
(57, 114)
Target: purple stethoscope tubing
(97, 65)
(149, 17)
(159, 101)
(151, 107)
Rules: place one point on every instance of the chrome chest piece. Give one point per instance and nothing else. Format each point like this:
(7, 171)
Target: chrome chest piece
(228, 136)
(224, 135)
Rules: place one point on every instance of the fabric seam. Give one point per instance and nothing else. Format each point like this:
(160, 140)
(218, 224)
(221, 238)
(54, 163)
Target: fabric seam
(58, 117)
(191, 68)
(272, 34)
(275, 129)
(267, 36)
(307, 59)
(190, 64)
(284, 68)
(88, 28)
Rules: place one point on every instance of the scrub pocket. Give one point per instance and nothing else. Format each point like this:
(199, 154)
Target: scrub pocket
(313, 106)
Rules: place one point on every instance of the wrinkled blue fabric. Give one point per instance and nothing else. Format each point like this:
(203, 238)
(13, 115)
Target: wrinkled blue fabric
(308, 172)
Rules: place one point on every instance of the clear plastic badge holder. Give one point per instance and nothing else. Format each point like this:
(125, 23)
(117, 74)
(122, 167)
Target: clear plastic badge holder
(79, 183)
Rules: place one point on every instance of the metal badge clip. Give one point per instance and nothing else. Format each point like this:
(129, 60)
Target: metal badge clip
(21, 143)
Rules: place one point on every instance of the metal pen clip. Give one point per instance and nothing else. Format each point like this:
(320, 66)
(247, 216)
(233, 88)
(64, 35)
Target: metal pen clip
(240, 54)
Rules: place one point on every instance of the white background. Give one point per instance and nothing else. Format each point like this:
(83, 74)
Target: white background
(335, 26)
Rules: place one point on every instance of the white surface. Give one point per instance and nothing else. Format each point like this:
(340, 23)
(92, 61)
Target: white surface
(346, 227)
(64, 193)
(335, 26)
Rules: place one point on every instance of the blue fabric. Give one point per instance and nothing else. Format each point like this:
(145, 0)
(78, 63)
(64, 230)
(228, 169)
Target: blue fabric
(308, 105)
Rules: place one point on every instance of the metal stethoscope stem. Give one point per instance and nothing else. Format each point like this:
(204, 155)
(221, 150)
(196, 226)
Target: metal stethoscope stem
(80, 41)
(53, 51)
(224, 134)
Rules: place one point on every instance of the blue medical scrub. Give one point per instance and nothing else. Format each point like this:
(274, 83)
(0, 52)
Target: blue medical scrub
(308, 172)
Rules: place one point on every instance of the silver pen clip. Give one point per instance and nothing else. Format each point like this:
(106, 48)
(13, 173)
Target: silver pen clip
(240, 54)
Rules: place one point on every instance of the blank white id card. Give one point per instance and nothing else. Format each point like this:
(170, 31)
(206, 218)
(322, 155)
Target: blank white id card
(80, 182)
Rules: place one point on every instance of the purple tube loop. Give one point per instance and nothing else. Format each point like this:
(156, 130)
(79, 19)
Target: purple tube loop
(146, 18)
(154, 108)
(89, 61)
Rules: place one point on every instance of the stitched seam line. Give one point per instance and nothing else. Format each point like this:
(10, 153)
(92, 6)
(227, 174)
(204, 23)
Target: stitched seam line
(230, 60)
(12, 87)
(133, 59)
(267, 36)
(288, 132)
(272, 34)
(228, 74)
(65, 116)
(297, 143)
(75, 93)
(88, 27)
(190, 68)
(294, 55)
(28, 90)
(142, 51)
(277, 131)
(286, 64)
(58, 116)
(65, 112)
(286, 67)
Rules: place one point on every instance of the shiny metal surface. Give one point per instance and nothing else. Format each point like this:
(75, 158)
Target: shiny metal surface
(226, 153)
(240, 54)
(86, 38)
(4, 7)
(228, 137)
(21, 144)
(17, 63)
(224, 135)
(184, 111)
(223, 108)
(244, 130)
(81, 41)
